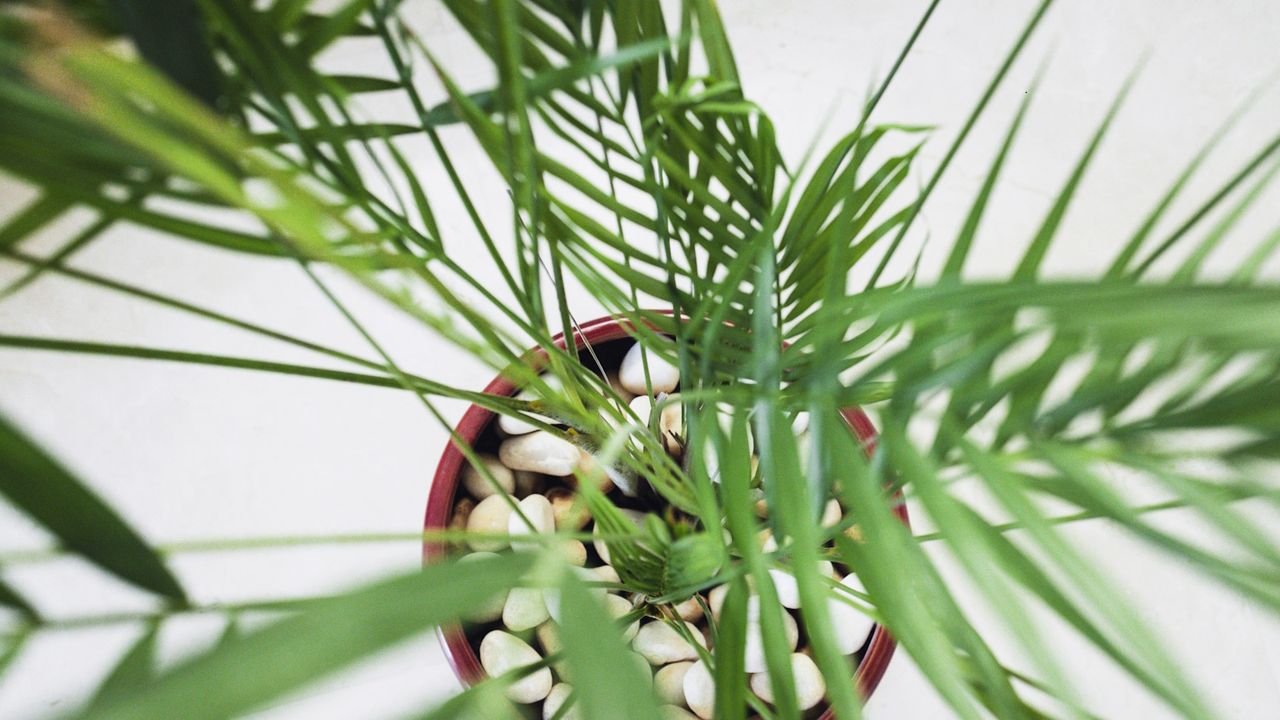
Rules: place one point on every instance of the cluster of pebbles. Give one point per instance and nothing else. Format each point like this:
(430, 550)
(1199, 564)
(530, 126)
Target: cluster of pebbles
(535, 469)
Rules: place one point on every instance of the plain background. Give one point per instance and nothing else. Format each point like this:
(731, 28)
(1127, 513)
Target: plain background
(194, 453)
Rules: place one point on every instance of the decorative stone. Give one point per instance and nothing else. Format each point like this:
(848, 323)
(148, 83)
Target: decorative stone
(671, 424)
(715, 599)
(590, 468)
(642, 406)
(700, 691)
(660, 644)
(810, 687)
(668, 683)
(602, 549)
(516, 426)
(690, 610)
(663, 376)
(490, 516)
(624, 394)
(555, 700)
(569, 513)
(551, 596)
(831, 514)
(537, 510)
(849, 625)
(480, 488)
(461, 513)
(618, 607)
(548, 634)
(491, 610)
(673, 712)
(513, 426)
(575, 552)
(604, 574)
(539, 452)
(525, 609)
(785, 583)
(670, 418)
(753, 657)
(502, 652)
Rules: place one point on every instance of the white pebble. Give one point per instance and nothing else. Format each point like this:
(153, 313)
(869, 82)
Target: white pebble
(668, 683)
(490, 516)
(525, 609)
(516, 426)
(715, 599)
(850, 626)
(537, 510)
(479, 487)
(660, 644)
(785, 583)
(674, 712)
(670, 418)
(636, 517)
(671, 424)
(548, 635)
(753, 657)
(502, 652)
(491, 610)
(555, 700)
(810, 686)
(612, 378)
(663, 376)
(575, 552)
(569, 513)
(642, 406)
(700, 691)
(513, 426)
(617, 607)
(710, 457)
(690, 609)
(539, 452)
(604, 574)
(551, 596)
(831, 514)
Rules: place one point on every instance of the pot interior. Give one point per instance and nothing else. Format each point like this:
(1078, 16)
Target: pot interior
(608, 343)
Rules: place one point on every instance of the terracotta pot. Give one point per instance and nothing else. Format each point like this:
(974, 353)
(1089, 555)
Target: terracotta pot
(459, 650)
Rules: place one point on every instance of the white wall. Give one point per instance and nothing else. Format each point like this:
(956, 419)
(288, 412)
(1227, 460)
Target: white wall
(190, 453)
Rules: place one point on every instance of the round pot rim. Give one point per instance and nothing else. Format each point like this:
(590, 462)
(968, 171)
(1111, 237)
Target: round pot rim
(461, 656)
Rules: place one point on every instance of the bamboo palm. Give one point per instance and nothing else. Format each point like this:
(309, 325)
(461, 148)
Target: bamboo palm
(667, 199)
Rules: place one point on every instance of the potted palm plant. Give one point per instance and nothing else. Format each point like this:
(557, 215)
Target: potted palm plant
(681, 508)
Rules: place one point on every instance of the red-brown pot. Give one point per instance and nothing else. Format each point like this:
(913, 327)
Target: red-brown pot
(462, 657)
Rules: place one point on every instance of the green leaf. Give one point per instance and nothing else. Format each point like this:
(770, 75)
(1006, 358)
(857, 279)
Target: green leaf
(11, 598)
(132, 673)
(246, 671)
(40, 487)
(730, 647)
(609, 683)
(964, 241)
(1034, 256)
(33, 217)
